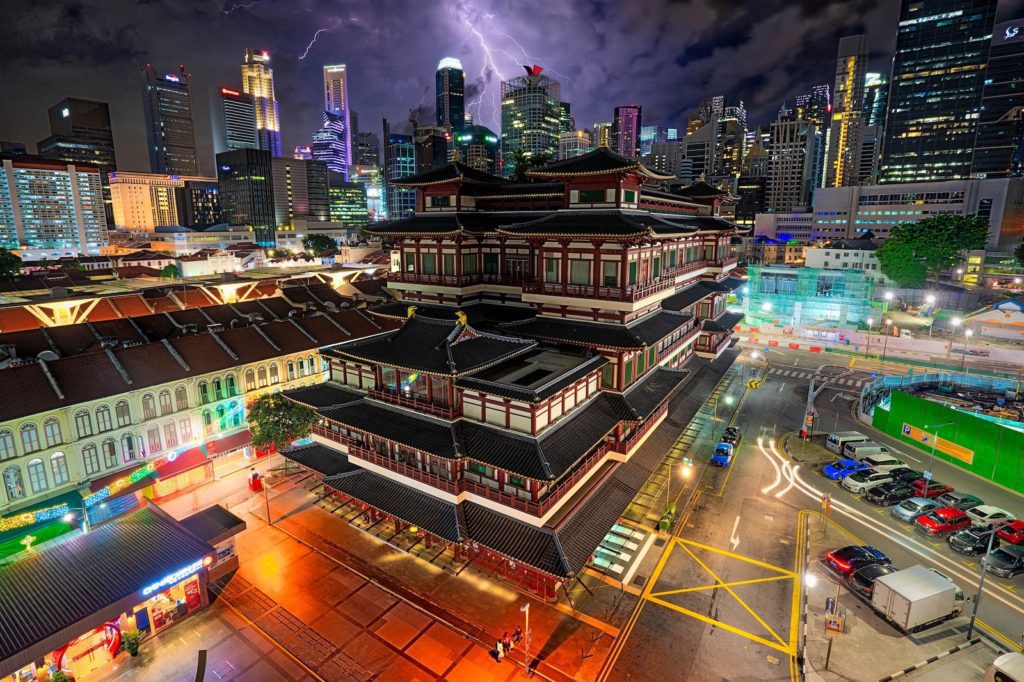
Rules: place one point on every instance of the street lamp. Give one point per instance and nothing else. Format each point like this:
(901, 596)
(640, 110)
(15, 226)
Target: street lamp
(868, 351)
(935, 441)
(968, 333)
(888, 296)
(885, 344)
(70, 517)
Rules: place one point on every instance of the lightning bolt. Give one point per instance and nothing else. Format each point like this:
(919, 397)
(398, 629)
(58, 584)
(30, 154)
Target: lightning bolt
(232, 5)
(312, 42)
(531, 59)
(489, 63)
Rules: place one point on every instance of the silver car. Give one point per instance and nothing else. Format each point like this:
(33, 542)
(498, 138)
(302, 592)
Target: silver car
(908, 510)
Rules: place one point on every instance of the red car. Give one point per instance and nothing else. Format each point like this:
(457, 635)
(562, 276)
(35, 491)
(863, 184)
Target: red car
(929, 489)
(941, 522)
(1013, 532)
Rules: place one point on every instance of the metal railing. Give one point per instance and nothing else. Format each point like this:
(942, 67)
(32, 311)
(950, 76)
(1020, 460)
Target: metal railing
(397, 398)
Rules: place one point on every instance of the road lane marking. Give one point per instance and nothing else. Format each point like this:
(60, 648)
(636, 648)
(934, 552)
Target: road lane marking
(734, 583)
(734, 538)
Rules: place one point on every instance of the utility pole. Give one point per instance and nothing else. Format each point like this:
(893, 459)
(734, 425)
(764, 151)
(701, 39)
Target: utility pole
(525, 608)
(935, 441)
(981, 580)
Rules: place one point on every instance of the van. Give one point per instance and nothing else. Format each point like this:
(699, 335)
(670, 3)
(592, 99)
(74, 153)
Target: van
(1007, 668)
(883, 462)
(836, 441)
(859, 449)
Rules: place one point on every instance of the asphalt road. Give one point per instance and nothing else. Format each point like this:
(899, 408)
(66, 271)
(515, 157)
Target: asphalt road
(695, 622)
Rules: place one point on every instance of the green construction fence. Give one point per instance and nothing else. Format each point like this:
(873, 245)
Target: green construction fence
(997, 450)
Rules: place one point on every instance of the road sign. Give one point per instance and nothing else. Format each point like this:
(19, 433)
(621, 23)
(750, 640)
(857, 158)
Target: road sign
(927, 475)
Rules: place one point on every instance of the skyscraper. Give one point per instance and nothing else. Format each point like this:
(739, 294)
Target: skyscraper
(146, 201)
(432, 145)
(792, 169)
(329, 143)
(876, 96)
(450, 87)
(247, 192)
(80, 132)
(602, 134)
(300, 191)
(999, 148)
(573, 143)
(399, 162)
(938, 73)
(258, 81)
(566, 123)
(367, 149)
(530, 112)
(336, 103)
(50, 205)
(477, 147)
(234, 120)
(626, 130)
(170, 129)
(841, 165)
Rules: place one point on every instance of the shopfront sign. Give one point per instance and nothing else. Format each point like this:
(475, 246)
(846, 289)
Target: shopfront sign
(33, 517)
(173, 578)
(941, 444)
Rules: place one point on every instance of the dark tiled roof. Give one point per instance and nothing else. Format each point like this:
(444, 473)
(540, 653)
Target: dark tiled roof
(601, 160)
(580, 535)
(430, 513)
(478, 314)
(646, 395)
(569, 440)
(450, 172)
(687, 297)
(599, 222)
(400, 426)
(325, 395)
(647, 331)
(537, 547)
(503, 449)
(472, 222)
(437, 346)
(542, 392)
(321, 459)
(700, 190)
(724, 323)
(73, 583)
(213, 524)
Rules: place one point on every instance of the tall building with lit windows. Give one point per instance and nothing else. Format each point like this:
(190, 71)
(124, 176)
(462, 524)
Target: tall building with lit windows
(337, 105)
(626, 130)
(247, 192)
(841, 164)
(170, 128)
(938, 75)
(233, 115)
(52, 207)
(258, 81)
(999, 147)
(530, 114)
(602, 136)
(876, 98)
(450, 91)
(329, 143)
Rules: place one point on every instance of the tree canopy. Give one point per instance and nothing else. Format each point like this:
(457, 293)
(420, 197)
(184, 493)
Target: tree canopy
(169, 271)
(318, 243)
(916, 251)
(10, 264)
(276, 420)
(1019, 253)
(523, 163)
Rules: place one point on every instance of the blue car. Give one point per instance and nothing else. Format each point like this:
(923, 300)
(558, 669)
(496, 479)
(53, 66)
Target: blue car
(723, 455)
(842, 468)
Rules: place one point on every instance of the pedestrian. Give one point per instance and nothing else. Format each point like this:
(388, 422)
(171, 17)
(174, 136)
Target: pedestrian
(506, 642)
(501, 649)
(517, 635)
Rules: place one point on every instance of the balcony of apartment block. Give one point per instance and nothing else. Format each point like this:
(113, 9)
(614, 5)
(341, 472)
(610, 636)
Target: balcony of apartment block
(411, 401)
(631, 293)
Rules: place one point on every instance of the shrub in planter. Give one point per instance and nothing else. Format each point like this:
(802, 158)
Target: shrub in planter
(130, 641)
(60, 676)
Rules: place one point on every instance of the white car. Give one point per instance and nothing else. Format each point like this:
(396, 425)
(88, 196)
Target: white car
(988, 515)
(882, 462)
(863, 480)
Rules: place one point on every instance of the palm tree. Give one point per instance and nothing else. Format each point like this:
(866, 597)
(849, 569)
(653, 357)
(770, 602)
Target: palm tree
(524, 162)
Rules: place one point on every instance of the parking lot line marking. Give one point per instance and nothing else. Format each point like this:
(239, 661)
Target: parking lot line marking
(737, 597)
(710, 586)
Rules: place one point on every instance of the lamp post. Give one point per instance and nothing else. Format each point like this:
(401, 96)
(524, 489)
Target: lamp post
(69, 517)
(885, 343)
(868, 351)
(981, 579)
(935, 441)
(525, 608)
(930, 300)
(968, 333)
(956, 321)
(888, 296)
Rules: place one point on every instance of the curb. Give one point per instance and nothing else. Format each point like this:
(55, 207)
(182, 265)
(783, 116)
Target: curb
(931, 660)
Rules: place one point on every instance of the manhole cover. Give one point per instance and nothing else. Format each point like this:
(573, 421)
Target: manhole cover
(660, 542)
(640, 580)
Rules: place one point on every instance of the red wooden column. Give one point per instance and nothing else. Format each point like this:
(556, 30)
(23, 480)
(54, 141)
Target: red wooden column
(565, 265)
(624, 274)
(597, 265)
(502, 265)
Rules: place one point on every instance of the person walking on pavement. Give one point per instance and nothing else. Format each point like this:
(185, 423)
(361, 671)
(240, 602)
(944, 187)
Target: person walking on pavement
(501, 650)
(517, 635)
(506, 643)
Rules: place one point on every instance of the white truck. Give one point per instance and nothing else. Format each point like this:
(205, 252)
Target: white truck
(916, 598)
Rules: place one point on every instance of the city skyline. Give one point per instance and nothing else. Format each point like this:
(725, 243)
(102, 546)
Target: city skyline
(708, 57)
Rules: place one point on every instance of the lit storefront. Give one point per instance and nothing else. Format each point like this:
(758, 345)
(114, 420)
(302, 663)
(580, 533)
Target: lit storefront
(68, 607)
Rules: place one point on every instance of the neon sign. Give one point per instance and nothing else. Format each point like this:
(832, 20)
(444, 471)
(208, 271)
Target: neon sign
(171, 77)
(120, 484)
(174, 578)
(33, 517)
(225, 91)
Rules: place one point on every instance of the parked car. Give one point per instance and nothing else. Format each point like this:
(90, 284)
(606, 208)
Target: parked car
(972, 541)
(906, 474)
(1013, 532)
(862, 581)
(722, 456)
(925, 488)
(882, 462)
(1006, 562)
(732, 435)
(889, 493)
(988, 515)
(846, 560)
(943, 521)
(841, 468)
(863, 480)
(908, 510)
(959, 500)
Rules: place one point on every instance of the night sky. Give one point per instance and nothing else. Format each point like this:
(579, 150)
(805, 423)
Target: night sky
(665, 56)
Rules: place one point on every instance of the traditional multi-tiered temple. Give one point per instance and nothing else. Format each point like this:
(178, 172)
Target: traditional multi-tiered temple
(547, 326)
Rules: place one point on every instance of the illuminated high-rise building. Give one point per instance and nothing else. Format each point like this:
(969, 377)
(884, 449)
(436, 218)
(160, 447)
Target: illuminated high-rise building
(399, 162)
(530, 114)
(336, 104)
(841, 164)
(566, 123)
(300, 191)
(348, 201)
(573, 143)
(938, 75)
(876, 96)
(329, 143)
(247, 192)
(258, 81)
(170, 128)
(367, 149)
(999, 148)
(450, 86)
(234, 120)
(302, 151)
(477, 147)
(626, 130)
(602, 134)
